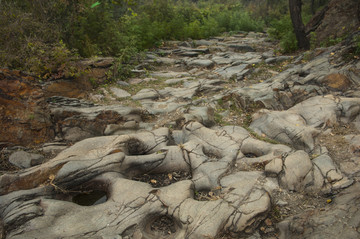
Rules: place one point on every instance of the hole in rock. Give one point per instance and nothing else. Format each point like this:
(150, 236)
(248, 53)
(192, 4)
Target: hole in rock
(90, 198)
(250, 150)
(135, 146)
(163, 179)
(163, 225)
(250, 155)
(212, 153)
(208, 195)
(88, 194)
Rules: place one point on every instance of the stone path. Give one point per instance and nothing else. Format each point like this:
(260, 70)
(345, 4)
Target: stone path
(217, 138)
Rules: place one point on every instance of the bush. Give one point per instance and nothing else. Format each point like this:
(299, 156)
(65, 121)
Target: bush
(43, 36)
(357, 45)
(283, 31)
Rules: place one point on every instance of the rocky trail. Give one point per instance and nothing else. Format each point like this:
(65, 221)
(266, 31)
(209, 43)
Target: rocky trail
(217, 138)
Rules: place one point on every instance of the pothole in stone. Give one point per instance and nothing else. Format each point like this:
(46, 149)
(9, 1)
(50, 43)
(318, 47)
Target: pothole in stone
(250, 155)
(91, 198)
(208, 195)
(163, 179)
(89, 194)
(163, 225)
(134, 146)
(212, 153)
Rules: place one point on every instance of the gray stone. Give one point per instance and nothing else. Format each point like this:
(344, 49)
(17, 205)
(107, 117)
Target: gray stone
(277, 59)
(24, 159)
(242, 48)
(170, 74)
(203, 43)
(185, 44)
(232, 72)
(270, 60)
(201, 63)
(119, 93)
(122, 83)
(296, 166)
(203, 115)
(327, 168)
(165, 61)
(53, 148)
(274, 167)
(231, 175)
(146, 94)
(176, 80)
(221, 60)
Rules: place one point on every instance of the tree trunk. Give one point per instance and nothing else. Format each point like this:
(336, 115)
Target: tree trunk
(299, 28)
(312, 7)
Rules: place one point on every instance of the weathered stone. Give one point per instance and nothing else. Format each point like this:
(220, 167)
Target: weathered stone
(170, 74)
(232, 72)
(24, 116)
(327, 168)
(296, 167)
(119, 93)
(76, 120)
(146, 94)
(24, 159)
(53, 148)
(255, 153)
(278, 59)
(242, 48)
(299, 125)
(274, 167)
(221, 178)
(200, 63)
(74, 88)
(203, 43)
(336, 82)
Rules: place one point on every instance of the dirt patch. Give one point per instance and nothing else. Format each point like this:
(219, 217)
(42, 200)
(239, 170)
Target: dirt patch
(209, 195)
(336, 143)
(5, 165)
(162, 180)
(163, 225)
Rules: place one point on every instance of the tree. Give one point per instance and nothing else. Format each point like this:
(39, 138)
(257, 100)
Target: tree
(299, 28)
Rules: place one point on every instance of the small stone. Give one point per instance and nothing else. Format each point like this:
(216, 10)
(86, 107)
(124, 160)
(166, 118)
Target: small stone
(268, 222)
(24, 159)
(119, 93)
(281, 203)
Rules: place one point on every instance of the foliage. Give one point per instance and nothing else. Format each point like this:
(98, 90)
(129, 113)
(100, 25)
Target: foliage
(51, 60)
(357, 45)
(332, 41)
(34, 32)
(282, 30)
(275, 14)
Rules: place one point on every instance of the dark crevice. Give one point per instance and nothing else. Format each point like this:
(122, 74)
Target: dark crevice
(163, 179)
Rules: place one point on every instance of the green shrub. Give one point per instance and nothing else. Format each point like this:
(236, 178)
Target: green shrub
(357, 45)
(43, 36)
(282, 30)
(50, 60)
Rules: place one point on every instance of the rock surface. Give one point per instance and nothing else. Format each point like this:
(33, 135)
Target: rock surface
(24, 115)
(325, 25)
(220, 139)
